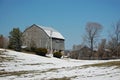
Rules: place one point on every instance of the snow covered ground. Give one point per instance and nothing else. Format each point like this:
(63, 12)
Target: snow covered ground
(25, 66)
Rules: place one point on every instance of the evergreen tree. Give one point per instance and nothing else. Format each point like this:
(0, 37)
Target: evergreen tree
(15, 41)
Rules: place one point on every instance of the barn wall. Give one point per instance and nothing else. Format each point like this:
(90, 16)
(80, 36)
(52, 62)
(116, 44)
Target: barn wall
(34, 36)
(58, 44)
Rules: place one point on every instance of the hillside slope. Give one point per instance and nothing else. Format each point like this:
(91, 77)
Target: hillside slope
(24, 66)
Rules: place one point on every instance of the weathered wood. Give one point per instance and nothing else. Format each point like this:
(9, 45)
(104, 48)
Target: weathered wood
(35, 36)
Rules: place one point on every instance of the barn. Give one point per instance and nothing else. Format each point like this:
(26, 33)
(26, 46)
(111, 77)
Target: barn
(43, 37)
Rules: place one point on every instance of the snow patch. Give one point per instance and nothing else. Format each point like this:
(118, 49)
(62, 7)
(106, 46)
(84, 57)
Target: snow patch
(37, 67)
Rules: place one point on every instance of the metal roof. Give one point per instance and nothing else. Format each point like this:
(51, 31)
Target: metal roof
(52, 32)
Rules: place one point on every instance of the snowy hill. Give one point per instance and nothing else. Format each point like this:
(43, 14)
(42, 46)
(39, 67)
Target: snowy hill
(25, 66)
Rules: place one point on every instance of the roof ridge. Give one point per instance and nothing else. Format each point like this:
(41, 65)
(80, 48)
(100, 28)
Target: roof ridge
(55, 33)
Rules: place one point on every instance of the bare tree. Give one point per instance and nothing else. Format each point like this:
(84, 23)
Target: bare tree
(114, 42)
(93, 30)
(101, 48)
(117, 36)
(117, 31)
(5, 42)
(1, 41)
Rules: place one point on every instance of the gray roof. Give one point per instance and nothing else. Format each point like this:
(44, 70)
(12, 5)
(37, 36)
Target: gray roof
(52, 32)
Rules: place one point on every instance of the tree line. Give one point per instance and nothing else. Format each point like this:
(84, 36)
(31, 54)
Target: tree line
(110, 47)
(14, 41)
(93, 48)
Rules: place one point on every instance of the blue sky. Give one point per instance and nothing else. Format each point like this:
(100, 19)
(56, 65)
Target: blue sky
(69, 17)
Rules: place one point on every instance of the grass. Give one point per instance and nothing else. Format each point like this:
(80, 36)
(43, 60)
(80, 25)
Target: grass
(38, 64)
(106, 64)
(6, 58)
(50, 70)
(64, 78)
(17, 73)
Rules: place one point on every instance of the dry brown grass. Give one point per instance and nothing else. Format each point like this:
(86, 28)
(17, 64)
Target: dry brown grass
(105, 64)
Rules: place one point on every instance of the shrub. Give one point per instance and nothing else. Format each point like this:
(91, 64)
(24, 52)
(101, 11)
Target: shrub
(26, 49)
(57, 54)
(33, 49)
(41, 51)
